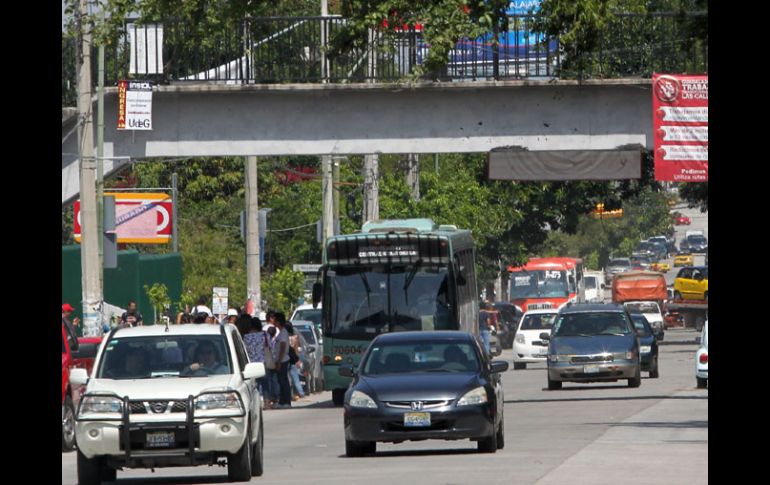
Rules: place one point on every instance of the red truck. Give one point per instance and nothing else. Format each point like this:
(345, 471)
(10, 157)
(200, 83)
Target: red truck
(75, 352)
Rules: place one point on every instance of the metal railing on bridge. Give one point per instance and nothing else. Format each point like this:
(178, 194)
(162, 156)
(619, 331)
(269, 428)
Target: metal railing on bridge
(290, 50)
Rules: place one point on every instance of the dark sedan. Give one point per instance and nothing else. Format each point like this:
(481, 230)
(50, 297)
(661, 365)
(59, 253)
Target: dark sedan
(648, 345)
(593, 343)
(424, 385)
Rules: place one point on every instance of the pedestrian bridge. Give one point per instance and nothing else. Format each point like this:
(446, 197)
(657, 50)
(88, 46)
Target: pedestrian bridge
(216, 119)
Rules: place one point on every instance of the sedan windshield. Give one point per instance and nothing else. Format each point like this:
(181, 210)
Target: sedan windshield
(537, 321)
(306, 332)
(311, 315)
(167, 356)
(591, 323)
(646, 307)
(620, 262)
(414, 357)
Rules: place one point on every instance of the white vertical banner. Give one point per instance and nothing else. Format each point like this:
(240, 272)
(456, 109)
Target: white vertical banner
(134, 105)
(219, 301)
(146, 43)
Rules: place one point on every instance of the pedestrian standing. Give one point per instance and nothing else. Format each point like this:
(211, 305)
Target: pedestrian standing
(184, 316)
(282, 361)
(132, 317)
(257, 344)
(295, 362)
(66, 311)
(201, 307)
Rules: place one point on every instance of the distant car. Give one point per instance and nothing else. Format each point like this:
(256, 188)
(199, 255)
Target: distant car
(528, 347)
(652, 312)
(660, 267)
(702, 359)
(308, 313)
(424, 385)
(682, 221)
(683, 260)
(162, 396)
(664, 241)
(648, 345)
(593, 343)
(697, 243)
(615, 266)
(640, 262)
(692, 283)
(594, 286)
(313, 341)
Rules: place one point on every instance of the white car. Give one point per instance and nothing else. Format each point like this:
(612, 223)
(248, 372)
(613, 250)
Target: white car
(593, 282)
(702, 358)
(651, 311)
(179, 395)
(308, 313)
(528, 348)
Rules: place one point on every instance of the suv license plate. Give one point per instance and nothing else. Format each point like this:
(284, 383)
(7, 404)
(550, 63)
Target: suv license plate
(416, 419)
(160, 439)
(591, 369)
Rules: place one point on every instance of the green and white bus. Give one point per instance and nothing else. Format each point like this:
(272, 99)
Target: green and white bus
(395, 275)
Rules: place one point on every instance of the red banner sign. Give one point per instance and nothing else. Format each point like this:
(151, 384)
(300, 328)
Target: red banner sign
(680, 123)
(140, 218)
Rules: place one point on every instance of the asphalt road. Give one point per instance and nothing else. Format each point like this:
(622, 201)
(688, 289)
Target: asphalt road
(582, 434)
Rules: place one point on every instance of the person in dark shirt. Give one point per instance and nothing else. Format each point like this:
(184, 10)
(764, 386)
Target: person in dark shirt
(131, 318)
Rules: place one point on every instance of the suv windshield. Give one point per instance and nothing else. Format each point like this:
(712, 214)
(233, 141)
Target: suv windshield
(541, 321)
(311, 315)
(165, 356)
(404, 358)
(591, 323)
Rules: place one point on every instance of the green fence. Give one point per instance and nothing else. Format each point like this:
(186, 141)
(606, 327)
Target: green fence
(126, 282)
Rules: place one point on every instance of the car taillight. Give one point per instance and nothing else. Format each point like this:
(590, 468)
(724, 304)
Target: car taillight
(704, 358)
(326, 359)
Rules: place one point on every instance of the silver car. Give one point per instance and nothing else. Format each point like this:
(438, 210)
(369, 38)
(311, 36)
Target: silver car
(314, 353)
(616, 265)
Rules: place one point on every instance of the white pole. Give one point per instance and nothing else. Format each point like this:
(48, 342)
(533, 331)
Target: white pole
(252, 236)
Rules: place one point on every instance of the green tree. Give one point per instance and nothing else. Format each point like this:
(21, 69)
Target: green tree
(696, 194)
(283, 289)
(158, 296)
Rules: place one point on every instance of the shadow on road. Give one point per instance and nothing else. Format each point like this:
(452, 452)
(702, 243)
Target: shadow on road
(170, 480)
(618, 398)
(661, 424)
(383, 454)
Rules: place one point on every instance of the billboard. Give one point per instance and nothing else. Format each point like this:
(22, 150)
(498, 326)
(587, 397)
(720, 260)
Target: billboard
(680, 127)
(140, 218)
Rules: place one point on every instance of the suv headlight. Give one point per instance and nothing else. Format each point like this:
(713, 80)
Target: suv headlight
(645, 349)
(361, 400)
(553, 358)
(100, 407)
(475, 396)
(218, 404)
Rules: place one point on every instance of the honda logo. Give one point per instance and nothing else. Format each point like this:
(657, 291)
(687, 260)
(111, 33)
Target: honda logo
(417, 405)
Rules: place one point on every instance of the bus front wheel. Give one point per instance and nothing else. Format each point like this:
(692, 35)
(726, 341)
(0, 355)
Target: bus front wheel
(338, 396)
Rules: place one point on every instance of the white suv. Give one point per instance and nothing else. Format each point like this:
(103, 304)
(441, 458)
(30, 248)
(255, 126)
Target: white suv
(181, 395)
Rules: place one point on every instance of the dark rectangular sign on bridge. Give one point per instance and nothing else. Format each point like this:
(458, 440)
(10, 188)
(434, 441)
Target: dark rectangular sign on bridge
(514, 163)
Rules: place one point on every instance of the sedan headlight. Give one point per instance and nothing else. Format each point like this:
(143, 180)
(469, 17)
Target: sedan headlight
(361, 400)
(103, 407)
(645, 349)
(520, 338)
(218, 404)
(475, 396)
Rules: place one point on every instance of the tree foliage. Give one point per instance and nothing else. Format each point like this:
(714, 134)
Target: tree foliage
(696, 194)
(282, 289)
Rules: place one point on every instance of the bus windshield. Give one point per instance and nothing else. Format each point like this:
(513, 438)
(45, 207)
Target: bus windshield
(539, 284)
(369, 300)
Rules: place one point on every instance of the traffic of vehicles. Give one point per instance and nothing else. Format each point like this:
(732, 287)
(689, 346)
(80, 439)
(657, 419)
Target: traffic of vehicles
(398, 346)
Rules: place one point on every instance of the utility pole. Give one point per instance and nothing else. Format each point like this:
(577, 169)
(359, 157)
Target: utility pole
(324, 40)
(89, 242)
(252, 237)
(413, 175)
(328, 198)
(336, 190)
(100, 157)
(174, 202)
(371, 209)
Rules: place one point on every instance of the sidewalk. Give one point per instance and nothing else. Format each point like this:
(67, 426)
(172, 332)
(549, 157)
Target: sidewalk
(664, 444)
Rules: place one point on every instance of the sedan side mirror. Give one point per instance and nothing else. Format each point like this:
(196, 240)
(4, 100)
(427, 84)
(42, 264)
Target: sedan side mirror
(346, 371)
(78, 377)
(545, 336)
(498, 366)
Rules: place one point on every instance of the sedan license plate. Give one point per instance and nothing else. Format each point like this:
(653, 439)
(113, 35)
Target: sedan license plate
(416, 419)
(160, 439)
(591, 369)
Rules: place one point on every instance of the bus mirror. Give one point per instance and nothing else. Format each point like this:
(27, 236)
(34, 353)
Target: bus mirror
(317, 292)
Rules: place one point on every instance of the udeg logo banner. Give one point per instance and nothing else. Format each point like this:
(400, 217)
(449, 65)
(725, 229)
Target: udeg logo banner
(134, 105)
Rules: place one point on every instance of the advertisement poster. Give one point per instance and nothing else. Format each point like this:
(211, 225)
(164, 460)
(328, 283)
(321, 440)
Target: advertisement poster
(140, 218)
(219, 300)
(134, 105)
(680, 125)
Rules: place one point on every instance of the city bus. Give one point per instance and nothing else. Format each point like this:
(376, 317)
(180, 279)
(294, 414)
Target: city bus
(545, 283)
(395, 275)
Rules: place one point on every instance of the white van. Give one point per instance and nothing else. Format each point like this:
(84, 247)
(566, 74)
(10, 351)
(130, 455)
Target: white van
(594, 286)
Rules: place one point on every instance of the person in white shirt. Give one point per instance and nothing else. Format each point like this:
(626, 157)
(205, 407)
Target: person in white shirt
(282, 360)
